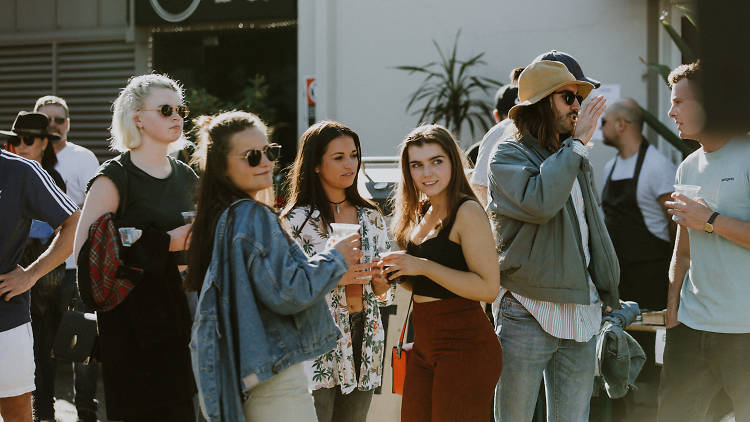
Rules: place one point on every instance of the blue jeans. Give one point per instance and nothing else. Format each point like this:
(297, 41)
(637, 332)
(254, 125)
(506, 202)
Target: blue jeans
(530, 353)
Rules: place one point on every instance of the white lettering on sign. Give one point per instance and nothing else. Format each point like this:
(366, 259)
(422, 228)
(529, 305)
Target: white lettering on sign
(175, 16)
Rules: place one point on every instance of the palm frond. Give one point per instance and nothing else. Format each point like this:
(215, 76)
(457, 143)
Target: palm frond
(685, 49)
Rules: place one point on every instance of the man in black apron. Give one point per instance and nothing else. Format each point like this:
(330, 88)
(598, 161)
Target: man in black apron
(644, 257)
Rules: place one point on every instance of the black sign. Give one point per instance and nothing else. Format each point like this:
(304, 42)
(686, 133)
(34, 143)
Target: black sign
(159, 12)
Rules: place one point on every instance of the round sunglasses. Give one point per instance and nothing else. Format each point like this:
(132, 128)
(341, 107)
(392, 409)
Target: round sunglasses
(16, 140)
(569, 97)
(253, 156)
(166, 110)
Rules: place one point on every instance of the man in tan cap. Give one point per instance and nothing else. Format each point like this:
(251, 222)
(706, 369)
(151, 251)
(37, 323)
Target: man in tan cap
(557, 262)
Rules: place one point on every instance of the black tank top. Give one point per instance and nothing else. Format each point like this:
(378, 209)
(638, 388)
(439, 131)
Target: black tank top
(442, 250)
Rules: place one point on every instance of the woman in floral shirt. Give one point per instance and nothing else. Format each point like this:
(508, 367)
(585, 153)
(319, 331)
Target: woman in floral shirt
(323, 190)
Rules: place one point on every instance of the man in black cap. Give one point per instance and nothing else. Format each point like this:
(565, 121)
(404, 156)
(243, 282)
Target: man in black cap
(570, 62)
(27, 192)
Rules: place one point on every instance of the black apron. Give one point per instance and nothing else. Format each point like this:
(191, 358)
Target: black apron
(644, 258)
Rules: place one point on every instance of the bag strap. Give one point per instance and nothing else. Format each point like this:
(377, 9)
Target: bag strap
(302, 226)
(403, 330)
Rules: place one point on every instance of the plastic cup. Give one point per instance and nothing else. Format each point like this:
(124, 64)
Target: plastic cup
(342, 230)
(691, 191)
(188, 216)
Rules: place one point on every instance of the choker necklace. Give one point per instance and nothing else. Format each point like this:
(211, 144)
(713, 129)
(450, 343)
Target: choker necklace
(338, 205)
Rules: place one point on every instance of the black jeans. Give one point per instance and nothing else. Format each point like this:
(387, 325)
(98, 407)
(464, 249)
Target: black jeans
(44, 328)
(697, 365)
(333, 406)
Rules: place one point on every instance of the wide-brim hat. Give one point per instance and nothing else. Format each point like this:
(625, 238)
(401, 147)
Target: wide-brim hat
(541, 79)
(30, 124)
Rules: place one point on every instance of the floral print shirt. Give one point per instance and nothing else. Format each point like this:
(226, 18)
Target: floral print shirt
(337, 366)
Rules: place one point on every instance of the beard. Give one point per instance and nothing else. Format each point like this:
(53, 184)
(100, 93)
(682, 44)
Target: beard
(566, 124)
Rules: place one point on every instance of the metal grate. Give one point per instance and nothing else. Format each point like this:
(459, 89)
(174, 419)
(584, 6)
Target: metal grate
(88, 75)
(26, 73)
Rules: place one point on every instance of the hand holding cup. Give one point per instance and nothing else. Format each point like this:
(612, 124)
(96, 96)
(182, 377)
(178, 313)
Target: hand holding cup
(349, 247)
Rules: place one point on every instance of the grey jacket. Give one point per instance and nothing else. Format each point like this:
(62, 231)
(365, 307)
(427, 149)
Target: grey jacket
(536, 228)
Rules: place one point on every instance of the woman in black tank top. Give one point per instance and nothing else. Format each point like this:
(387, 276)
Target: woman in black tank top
(450, 264)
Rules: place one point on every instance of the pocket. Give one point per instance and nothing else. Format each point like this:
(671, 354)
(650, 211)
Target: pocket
(511, 308)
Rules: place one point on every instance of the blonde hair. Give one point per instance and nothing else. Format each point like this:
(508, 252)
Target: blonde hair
(125, 135)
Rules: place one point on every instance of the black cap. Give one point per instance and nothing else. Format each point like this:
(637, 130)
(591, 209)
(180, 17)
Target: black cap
(505, 98)
(570, 62)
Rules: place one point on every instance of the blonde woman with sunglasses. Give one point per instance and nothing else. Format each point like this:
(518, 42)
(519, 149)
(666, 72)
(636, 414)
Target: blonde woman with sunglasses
(144, 339)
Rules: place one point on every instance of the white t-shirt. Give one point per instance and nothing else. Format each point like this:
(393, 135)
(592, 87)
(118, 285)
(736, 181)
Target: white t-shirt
(480, 176)
(656, 179)
(77, 165)
(715, 292)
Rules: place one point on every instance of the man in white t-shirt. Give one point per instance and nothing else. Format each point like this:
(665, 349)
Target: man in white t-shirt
(77, 165)
(708, 317)
(638, 184)
(505, 98)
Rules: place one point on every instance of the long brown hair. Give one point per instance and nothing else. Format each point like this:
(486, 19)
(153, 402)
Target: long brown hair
(538, 120)
(216, 192)
(409, 199)
(304, 184)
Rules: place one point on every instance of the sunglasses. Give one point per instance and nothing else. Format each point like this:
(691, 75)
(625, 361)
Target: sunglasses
(166, 110)
(569, 97)
(253, 156)
(16, 140)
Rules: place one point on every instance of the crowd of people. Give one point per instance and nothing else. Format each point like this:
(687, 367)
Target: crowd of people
(207, 293)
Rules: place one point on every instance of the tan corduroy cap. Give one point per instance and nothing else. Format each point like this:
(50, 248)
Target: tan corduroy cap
(542, 78)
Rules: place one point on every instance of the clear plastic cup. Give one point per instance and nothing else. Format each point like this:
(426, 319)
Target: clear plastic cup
(340, 231)
(188, 216)
(691, 191)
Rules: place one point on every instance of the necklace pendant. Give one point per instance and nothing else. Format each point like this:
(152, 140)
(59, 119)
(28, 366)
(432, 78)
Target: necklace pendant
(338, 209)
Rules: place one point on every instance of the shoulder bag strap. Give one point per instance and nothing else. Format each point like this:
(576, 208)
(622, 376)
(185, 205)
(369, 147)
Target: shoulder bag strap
(403, 329)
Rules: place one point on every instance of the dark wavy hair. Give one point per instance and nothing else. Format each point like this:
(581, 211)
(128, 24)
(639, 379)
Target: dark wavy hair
(216, 192)
(304, 184)
(409, 200)
(538, 120)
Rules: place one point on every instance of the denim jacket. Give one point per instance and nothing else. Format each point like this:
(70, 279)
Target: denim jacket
(619, 356)
(261, 309)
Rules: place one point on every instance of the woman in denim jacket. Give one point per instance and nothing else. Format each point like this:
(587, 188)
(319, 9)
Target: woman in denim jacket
(261, 310)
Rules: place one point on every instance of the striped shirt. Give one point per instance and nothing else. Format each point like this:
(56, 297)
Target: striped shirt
(27, 192)
(570, 321)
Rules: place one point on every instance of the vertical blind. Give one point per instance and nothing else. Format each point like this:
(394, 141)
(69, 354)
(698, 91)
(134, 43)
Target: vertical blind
(88, 75)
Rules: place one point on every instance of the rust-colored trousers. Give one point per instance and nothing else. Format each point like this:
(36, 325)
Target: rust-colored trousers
(454, 366)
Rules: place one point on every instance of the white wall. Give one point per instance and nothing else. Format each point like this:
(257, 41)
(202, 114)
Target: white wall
(363, 41)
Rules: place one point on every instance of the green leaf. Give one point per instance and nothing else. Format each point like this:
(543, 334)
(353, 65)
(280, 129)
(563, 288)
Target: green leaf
(688, 13)
(661, 69)
(684, 146)
(685, 49)
(447, 89)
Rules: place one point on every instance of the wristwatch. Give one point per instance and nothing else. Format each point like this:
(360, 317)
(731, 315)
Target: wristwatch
(709, 226)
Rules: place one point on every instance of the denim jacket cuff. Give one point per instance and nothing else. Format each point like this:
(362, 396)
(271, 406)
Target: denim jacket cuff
(337, 257)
